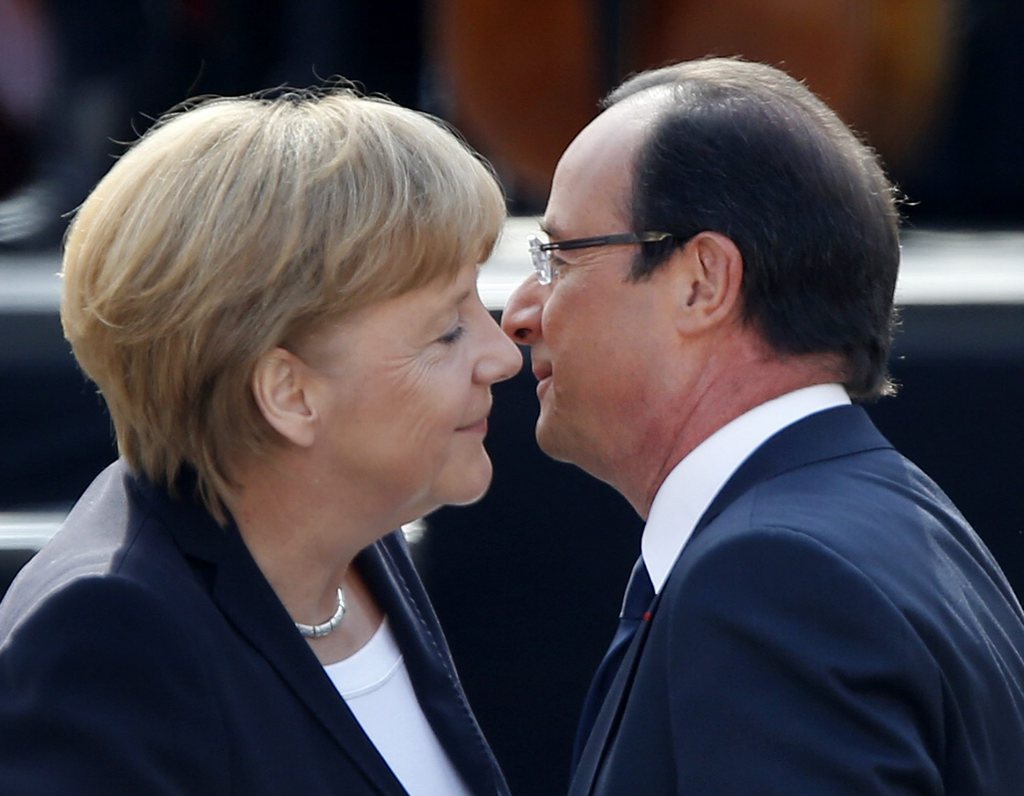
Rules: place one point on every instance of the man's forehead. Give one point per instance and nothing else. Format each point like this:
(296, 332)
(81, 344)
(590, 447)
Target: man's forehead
(595, 175)
(615, 134)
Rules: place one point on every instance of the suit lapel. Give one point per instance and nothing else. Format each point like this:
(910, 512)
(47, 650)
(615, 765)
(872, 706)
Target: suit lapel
(824, 435)
(607, 721)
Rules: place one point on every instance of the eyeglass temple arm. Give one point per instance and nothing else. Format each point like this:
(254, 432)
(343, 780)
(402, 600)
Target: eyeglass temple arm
(604, 240)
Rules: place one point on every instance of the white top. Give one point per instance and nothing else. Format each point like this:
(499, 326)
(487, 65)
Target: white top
(375, 684)
(689, 489)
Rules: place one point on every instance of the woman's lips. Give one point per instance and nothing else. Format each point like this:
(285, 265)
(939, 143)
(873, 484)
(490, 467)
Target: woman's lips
(479, 427)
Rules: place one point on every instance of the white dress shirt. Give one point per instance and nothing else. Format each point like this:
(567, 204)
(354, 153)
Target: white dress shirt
(688, 490)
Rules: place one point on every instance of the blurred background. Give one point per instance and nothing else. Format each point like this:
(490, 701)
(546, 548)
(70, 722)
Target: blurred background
(934, 85)
(528, 581)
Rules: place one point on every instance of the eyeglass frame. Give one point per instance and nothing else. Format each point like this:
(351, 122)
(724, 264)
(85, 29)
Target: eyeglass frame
(540, 252)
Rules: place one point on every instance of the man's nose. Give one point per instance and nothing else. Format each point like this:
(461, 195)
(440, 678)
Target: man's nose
(521, 320)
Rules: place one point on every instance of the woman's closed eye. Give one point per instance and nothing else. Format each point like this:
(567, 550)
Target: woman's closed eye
(453, 336)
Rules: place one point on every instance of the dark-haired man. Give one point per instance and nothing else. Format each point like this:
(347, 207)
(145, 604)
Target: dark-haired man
(810, 614)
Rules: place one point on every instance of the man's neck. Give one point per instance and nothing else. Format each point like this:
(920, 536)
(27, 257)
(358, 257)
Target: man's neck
(721, 400)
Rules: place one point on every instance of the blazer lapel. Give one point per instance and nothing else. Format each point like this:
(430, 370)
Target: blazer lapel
(827, 434)
(389, 570)
(251, 606)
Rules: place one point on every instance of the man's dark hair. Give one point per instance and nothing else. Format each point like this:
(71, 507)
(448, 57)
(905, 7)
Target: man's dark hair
(745, 150)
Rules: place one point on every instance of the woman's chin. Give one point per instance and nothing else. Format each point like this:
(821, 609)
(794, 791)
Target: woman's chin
(467, 485)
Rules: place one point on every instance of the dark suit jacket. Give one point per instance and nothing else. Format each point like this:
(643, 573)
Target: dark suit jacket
(834, 626)
(143, 652)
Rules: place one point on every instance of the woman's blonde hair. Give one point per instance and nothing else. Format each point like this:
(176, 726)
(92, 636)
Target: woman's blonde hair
(242, 223)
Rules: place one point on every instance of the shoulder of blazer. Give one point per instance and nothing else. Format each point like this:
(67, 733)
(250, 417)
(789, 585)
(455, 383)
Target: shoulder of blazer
(89, 542)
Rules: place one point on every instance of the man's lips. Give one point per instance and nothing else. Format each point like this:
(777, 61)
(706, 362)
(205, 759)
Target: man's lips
(542, 387)
(543, 383)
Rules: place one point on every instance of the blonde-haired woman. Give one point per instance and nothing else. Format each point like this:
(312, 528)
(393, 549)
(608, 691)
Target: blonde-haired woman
(277, 300)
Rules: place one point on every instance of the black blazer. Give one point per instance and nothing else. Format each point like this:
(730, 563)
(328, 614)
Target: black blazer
(143, 652)
(833, 627)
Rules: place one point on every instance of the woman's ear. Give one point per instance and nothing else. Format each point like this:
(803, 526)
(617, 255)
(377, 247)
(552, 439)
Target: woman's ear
(708, 273)
(281, 390)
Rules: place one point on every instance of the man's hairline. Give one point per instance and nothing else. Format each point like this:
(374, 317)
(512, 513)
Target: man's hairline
(654, 103)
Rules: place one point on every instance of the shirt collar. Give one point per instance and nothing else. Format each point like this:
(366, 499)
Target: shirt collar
(692, 484)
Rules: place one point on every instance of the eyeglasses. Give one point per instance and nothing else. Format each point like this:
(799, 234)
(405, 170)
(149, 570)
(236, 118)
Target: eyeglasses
(540, 252)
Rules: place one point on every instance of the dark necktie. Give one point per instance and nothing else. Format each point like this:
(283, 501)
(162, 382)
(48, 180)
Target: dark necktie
(639, 595)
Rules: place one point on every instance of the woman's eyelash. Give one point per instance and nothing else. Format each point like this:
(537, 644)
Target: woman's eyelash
(453, 336)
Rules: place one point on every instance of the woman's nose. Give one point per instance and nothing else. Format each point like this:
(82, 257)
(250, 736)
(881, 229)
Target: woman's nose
(503, 359)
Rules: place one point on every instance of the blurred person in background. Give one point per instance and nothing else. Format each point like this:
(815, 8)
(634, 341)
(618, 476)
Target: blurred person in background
(277, 300)
(96, 72)
(88, 62)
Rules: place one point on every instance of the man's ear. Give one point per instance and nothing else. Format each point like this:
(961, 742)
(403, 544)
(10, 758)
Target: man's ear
(708, 273)
(279, 386)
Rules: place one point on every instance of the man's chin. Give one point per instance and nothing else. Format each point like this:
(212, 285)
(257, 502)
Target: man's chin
(551, 442)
